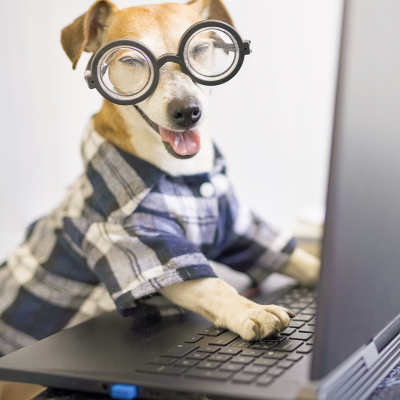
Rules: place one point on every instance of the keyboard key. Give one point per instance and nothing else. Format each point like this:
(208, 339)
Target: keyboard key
(163, 369)
(274, 371)
(185, 363)
(286, 297)
(312, 322)
(232, 367)
(208, 365)
(284, 303)
(305, 350)
(198, 356)
(265, 380)
(266, 362)
(217, 332)
(274, 354)
(287, 345)
(285, 364)
(263, 346)
(206, 374)
(193, 339)
(294, 310)
(220, 357)
(207, 349)
(294, 357)
(163, 361)
(207, 331)
(230, 350)
(288, 331)
(254, 369)
(242, 360)
(310, 342)
(277, 338)
(303, 317)
(301, 336)
(173, 371)
(243, 344)
(244, 378)
(179, 351)
(308, 311)
(307, 329)
(298, 305)
(224, 339)
(296, 324)
(251, 353)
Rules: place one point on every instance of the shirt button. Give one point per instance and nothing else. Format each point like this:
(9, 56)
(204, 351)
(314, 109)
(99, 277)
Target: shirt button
(207, 189)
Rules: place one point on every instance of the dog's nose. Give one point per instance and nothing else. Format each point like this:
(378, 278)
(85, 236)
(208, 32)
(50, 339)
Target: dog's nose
(184, 111)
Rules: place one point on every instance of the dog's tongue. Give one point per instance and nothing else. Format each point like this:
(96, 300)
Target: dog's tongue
(184, 143)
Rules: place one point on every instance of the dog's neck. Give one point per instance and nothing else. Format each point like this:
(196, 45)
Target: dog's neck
(126, 128)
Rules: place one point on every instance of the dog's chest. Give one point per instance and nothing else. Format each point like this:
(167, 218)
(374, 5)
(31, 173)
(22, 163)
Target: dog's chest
(199, 206)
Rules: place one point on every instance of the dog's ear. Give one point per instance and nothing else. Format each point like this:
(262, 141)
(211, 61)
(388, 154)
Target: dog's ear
(211, 9)
(85, 33)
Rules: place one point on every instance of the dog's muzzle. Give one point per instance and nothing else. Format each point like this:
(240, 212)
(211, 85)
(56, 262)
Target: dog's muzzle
(171, 143)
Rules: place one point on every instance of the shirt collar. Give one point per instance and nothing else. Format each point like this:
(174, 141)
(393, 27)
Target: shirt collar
(120, 180)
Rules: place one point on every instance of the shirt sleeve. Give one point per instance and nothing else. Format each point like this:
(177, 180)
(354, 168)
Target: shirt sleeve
(134, 260)
(253, 246)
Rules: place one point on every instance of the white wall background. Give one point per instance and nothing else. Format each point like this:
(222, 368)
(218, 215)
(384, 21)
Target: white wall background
(272, 121)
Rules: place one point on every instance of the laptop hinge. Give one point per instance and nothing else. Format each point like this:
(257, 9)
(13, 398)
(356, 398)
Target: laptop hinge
(370, 355)
(388, 334)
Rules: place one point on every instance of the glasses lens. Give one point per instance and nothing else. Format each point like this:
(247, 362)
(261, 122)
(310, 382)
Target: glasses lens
(212, 53)
(125, 72)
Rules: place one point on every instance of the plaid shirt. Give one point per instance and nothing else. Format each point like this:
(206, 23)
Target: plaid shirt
(129, 229)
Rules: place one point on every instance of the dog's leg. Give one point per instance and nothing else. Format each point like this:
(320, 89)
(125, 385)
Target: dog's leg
(303, 266)
(219, 302)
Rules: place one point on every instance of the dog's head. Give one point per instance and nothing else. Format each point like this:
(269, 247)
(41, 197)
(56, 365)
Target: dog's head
(177, 109)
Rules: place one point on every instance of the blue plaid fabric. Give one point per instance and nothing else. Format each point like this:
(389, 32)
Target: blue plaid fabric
(125, 230)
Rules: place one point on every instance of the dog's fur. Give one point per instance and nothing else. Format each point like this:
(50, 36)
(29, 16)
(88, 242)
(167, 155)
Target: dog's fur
(160, 27)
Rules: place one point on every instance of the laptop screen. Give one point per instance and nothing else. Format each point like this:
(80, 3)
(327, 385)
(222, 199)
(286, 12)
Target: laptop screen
(360, 279)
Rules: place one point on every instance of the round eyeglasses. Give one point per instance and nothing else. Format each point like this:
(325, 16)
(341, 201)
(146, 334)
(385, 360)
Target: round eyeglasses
(126, 71)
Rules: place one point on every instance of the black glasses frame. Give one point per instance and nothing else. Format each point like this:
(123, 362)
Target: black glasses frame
(93, 81)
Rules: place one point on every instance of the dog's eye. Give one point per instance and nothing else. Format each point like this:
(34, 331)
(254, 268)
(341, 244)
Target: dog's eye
(200, 49)
(131, 61)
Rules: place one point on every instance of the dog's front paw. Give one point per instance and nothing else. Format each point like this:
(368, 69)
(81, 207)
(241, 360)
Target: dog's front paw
(254, 322)
(303, 266)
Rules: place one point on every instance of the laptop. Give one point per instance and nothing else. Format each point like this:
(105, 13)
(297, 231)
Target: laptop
(346, 336)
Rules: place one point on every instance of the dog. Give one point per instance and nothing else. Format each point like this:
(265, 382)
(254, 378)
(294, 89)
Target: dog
(167, 136)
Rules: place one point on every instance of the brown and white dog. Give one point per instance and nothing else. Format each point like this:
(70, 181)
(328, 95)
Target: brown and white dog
(160, 27)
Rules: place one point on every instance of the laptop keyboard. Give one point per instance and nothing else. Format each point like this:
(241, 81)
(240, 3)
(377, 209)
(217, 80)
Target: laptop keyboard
(221, 355)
